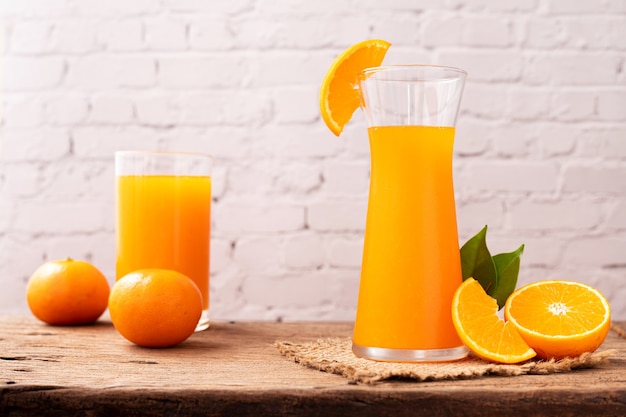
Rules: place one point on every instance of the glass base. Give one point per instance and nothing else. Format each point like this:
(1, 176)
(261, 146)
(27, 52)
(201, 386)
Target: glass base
(203, 323)
(410, 355)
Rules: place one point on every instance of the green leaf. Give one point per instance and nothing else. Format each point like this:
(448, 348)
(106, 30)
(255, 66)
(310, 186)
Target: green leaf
(507, 268)
(476, 262)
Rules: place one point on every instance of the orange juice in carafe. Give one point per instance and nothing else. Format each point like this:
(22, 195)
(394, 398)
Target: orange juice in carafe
(411, 261)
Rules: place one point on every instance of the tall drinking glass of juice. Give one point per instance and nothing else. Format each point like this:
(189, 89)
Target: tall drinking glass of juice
(163, 217)
(411, 260)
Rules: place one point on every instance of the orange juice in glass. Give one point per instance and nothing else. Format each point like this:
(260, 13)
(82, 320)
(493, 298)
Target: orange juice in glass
(164, 215)
(411, 260)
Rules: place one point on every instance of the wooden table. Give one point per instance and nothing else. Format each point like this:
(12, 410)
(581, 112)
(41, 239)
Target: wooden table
(233, 369)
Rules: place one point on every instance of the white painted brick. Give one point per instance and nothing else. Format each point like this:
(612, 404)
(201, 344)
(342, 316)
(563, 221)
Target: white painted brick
(298, 141)
(301, 7)
(539, 252)
(513, 176)
(602, 251)
(78, 247)
(582, 7)
(614, 143)
(485, 101)
(573, 105)
(346, 291)
(595, 179)
(337, 215)
(550, 215)
(245, 108)
(12, 296)
(305, 32)
(212, 34)
(59, 217)
(354, 136)
(23, 111)
(104, 72)
(291, 290)
(618, 33)
(482, 65)
(526, 103)
(32, 8)
(606, 142)
(514, 140)
(21, 180)
(487, 31)
(572, 68)
(157, 109)
(491, 6)
(66, 109)
(346, 178)
(103, 252)
(121, 35)
(346, 253)
(251, 179)
(221, 251)
(590, 32)
(165, 33)
(258, 254)
(74, 36)
(32, 73)
(102, 142)
(217, 141)
(610, 282)
(36, 144)
(296, 104)
(110, 109)
(265, 216)
(201, 71)
(31, 37)
(472, 136)
(555, 140)
(304, 251)
(219, 174)
(544, 32)
(617, 215)
(282, 68)
(299, 178)
(399, 29)
(70, 179)
(474, 215)
(201, 6)
(612, 104)
(539, 154)
(115, 8)
(442, 30)
(401, 5)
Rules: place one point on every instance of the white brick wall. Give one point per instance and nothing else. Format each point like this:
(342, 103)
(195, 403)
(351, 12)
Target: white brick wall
(540, 152)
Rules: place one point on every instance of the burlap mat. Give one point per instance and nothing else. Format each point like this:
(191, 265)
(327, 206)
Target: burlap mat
(335, 355)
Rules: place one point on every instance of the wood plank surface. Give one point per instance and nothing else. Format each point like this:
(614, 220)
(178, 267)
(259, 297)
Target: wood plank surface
(234, 369)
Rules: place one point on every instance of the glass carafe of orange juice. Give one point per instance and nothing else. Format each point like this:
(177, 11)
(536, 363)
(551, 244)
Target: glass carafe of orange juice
(411, 261)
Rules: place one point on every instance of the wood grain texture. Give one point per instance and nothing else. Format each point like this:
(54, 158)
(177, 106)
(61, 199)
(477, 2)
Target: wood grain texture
(234, 369)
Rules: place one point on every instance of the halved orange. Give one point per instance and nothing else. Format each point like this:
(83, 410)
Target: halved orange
(339, 95)
(559, 318)
(475, 317)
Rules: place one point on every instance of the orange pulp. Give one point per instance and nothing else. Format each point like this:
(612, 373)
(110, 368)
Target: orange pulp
(411, 261)
(165, 222)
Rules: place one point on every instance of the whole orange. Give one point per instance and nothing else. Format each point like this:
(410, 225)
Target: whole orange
(155, 307)
(66, 292)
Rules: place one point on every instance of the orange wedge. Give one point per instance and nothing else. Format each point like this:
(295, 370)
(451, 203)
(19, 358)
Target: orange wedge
(339, 95)
(475, 317)
(559, 318)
